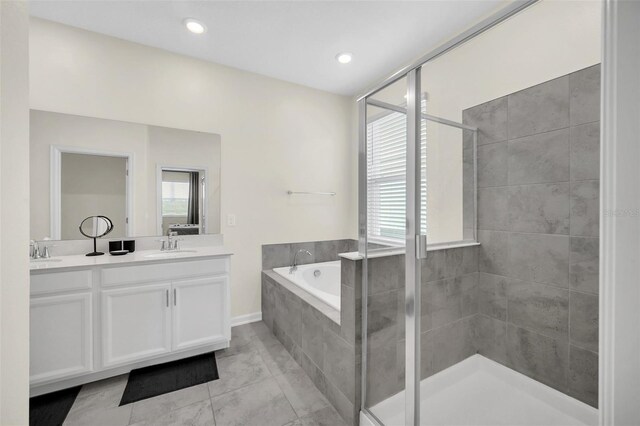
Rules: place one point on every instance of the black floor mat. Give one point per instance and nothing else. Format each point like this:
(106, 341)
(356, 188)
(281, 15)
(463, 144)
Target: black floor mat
(156, 380)
(51, 409)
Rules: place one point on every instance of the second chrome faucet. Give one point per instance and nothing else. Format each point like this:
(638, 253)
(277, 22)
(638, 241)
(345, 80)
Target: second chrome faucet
(294, 266)
(170, 243)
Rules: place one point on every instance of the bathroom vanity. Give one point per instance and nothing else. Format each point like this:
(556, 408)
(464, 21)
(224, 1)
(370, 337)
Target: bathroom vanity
(96, 317)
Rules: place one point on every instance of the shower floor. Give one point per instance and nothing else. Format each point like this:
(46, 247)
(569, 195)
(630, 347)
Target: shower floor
(478, 391)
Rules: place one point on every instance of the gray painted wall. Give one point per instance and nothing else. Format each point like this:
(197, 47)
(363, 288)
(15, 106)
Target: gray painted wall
(538, 201)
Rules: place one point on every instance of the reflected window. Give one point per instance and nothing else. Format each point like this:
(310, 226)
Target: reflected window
(175, 198)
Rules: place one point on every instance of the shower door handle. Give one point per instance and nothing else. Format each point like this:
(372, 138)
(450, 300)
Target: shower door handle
(421, 246)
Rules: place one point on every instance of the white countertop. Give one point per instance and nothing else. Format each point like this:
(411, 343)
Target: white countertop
(142, 256)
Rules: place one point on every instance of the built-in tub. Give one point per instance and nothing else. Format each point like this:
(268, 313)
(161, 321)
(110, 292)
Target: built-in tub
(321, 280)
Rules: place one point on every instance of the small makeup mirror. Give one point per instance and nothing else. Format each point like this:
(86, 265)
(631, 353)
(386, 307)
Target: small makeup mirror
(96, 227)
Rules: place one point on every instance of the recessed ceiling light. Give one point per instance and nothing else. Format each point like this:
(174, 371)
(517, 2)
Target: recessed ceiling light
(195, 26)
(344, 58)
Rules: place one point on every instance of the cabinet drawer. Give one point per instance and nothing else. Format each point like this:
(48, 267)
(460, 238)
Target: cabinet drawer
(163, 271)
(60, 281)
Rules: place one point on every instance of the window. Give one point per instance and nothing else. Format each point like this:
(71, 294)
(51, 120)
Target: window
(386, 178)
(175, 194)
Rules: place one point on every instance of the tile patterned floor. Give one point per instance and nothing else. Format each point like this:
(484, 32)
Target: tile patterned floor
(260, 384)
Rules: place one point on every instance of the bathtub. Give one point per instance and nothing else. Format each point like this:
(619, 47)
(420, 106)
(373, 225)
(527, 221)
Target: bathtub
(321, 280)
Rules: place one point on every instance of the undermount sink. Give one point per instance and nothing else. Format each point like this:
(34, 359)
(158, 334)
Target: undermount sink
(46, 260)
(169, 254)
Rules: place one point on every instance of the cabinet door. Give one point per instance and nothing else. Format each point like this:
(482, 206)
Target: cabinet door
(60, 337)
(200, 312)
(136, 323)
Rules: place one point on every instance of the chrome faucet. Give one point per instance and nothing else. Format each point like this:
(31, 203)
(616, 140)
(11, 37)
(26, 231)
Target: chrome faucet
(37, 253)
(170, 243)
(35, 250)
(294, 267)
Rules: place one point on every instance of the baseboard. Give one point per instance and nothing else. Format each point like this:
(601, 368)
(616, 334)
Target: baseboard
(246, 319)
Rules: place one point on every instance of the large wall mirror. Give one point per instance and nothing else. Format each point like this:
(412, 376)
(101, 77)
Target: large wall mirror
(148, 180)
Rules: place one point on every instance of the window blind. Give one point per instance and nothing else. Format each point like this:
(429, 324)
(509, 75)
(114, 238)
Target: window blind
(386, 178)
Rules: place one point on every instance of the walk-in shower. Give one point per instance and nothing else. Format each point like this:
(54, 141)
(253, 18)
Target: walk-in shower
(478, 177)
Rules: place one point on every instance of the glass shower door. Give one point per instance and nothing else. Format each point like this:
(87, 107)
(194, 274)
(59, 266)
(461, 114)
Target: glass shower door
(391, 207)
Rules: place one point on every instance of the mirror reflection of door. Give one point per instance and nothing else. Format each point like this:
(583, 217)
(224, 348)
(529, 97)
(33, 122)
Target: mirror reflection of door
(92, 185)
(182, 203)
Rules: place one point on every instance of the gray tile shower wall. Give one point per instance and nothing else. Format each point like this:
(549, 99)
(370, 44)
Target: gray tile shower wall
(538, 171)
(449, 300)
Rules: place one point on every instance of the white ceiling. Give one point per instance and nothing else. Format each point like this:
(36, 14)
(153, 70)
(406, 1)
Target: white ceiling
(294, 41)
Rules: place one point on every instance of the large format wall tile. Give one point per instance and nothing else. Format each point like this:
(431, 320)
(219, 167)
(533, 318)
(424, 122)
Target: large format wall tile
(279, 255)
(542, 208)
(584, 266)
(539, 307)
(491, 120)
(541, 357)
(383, 381)
(493, 253)
(585, 151)
(585, 95)
(449, 344)
(303, 258)
(325, 251)
(539, 108)
(493, 211)
(386, 273)
(585, 208)
(539, 158)
(288, 316)
(541, 258)
(340, 364)
(538, 258)
(439, 305)
(492, 164)
(584, 320)
(351, 274)
(382, 317)
(276, 255)
(491, 338)
(448, 300)
(492, 296)
(448, 263)
(313, 334)
(583, 375)
(350, 311)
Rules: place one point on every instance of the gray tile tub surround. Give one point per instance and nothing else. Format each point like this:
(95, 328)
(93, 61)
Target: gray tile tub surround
(326, 348)
(279, 255)
(538, 228)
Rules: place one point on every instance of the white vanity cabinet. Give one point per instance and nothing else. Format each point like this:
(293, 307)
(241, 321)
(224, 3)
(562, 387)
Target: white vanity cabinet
(61, 325)
(196, 303)
(105, 320)
(60, 336)
(136, 323)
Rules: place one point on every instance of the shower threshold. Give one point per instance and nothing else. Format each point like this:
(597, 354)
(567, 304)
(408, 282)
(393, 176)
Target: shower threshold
(478, 391)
